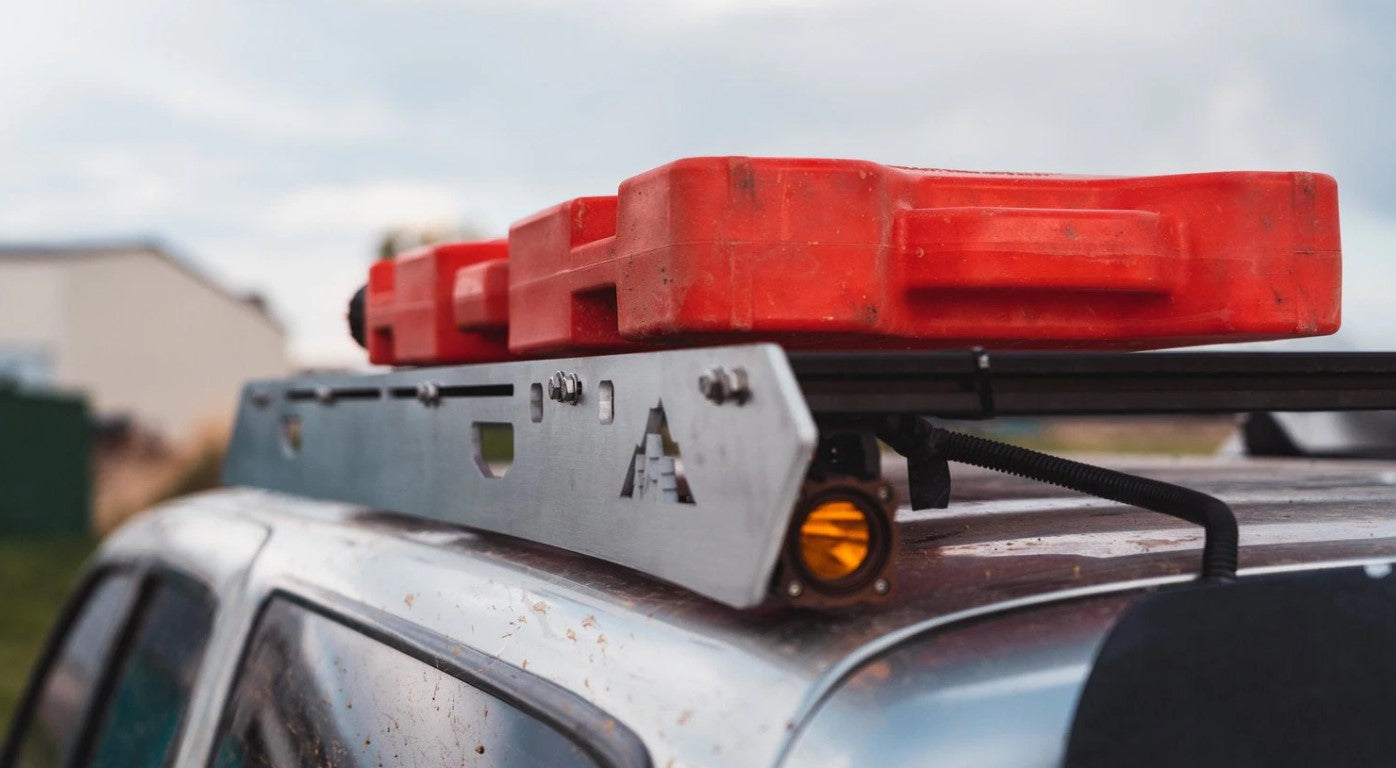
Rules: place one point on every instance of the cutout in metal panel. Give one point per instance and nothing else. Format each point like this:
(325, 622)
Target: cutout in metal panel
(606, 401)
(290, 435)
(656, 467)
(330, 395)
(494, 447)
(444, 390)
(535, 402)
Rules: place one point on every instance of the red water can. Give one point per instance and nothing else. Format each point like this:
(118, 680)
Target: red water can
(850, 254)
(440, 304)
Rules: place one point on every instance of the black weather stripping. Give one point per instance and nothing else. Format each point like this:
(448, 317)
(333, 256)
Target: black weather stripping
(925, 444)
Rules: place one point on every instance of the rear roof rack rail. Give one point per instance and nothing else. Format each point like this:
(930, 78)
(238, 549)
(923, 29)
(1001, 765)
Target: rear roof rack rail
(978, 385)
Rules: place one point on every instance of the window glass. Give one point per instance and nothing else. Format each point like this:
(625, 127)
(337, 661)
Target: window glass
(141, 716)
(313, 691)
(49, 735)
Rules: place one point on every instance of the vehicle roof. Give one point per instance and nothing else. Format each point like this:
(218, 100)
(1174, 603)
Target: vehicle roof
(702, 683)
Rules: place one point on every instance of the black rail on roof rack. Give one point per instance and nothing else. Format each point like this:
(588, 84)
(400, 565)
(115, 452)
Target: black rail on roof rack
(976, 384)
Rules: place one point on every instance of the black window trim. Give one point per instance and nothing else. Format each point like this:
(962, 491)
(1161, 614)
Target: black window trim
(144, 574)
(601, 737)
(150, 577)
(53, 645)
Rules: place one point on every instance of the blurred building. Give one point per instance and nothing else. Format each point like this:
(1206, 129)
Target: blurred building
(141, 332)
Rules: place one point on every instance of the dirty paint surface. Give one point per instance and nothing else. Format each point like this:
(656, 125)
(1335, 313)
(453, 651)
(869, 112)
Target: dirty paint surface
(684, 673)
(316, 692)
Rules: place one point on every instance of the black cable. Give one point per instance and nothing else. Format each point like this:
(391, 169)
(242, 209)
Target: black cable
(1219, 549)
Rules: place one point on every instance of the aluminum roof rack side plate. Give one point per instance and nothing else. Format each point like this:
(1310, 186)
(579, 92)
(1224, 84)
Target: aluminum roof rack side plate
(407, 441)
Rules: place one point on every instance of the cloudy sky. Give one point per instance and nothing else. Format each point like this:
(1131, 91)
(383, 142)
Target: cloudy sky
(271, 141)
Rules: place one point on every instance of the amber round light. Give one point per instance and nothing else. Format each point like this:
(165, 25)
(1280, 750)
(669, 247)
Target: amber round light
(833, 542)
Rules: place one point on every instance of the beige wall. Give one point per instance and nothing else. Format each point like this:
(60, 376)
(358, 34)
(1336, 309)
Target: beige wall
(31, 301)
(145, 336)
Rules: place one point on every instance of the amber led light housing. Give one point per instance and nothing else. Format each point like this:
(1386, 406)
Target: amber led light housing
(839, 547)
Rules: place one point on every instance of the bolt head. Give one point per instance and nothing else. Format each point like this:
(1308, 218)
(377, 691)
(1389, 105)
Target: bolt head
(794, 589)
(324, 395)
(429, 392)
(565, 387)
(882, 586)
(714, 385)
(736, 382)
(720, 385)
(884, 493)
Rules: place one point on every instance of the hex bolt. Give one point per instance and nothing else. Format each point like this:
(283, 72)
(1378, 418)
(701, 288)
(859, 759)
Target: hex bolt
(719, 385)
(429, 393)
(565, 387)
(324, 395)
(882, 586)
(737, 387)
(710, 384)
(884, 493)
(794, 589)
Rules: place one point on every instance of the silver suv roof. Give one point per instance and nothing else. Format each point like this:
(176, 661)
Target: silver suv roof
(701, 683)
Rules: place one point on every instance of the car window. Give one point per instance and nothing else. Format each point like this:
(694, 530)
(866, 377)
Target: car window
(313, 691)
(49, 734)
(140, 717)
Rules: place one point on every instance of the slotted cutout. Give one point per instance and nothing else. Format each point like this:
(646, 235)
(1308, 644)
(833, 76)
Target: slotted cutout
(290, 435)
(535, 402)
(606, 402)
(494, 447)
(656, 466)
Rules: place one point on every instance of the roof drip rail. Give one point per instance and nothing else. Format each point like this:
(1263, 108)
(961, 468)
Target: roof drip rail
(927, 447)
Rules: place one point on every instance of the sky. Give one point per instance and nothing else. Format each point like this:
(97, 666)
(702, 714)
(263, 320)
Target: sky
(271, 142)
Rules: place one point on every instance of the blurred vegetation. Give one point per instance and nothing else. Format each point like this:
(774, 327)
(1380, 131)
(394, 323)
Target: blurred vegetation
(199, 471)
(143, 470)
(496, 446)
(403, 239)
(1152, 435)
(36, 576)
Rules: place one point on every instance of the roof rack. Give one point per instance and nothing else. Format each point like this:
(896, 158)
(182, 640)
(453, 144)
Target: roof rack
(976, 385)
(738, 472)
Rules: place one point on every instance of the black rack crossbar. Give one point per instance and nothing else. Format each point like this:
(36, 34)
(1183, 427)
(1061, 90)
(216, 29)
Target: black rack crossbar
(973, 384)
